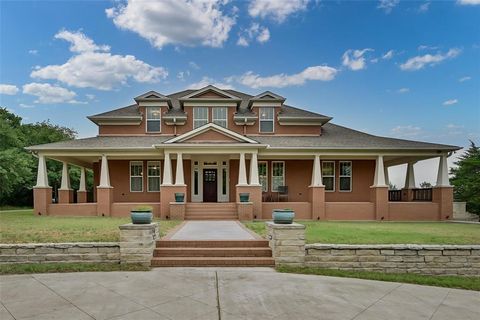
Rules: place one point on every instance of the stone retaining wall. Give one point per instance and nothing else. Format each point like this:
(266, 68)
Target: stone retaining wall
(420, 259)
(87, 252)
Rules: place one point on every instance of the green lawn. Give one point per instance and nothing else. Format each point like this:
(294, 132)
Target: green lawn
(67, 267)
(469, 283)
(385, 232)
(21, 226)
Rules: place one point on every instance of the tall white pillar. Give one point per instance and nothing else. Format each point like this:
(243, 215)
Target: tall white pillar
(82, 186)
(379, 179)
(42, 177)
(65, 177)
(104, 174)
(167, 170)
(317, 172)
(387, 177)
(442, 177)
(254, 181)
(179, 180)
(242, 171)
(410, 176)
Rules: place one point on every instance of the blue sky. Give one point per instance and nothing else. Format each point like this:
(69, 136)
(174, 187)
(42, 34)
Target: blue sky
(396, 68)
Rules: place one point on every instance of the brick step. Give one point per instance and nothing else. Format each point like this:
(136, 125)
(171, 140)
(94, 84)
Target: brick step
(212, 262)
(211, 243)
(213, 252)
(216, 211)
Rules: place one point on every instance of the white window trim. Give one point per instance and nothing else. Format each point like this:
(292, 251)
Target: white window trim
(329, 175)
(159, 176)
(130, 178)
(266, 173)
(203, 119)
(226, 116)
(340, 176)
(146, 120)
(260, 119)
(283, 174)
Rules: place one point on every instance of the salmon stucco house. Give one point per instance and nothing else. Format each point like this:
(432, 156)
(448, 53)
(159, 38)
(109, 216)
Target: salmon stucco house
(213, 144)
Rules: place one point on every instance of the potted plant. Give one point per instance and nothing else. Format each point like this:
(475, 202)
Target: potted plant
(244, 197)
(283, 216)
(141, 215)
(179, 197)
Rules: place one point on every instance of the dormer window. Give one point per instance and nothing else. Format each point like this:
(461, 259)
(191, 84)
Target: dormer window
(200, 116)
(266, 119)
(219, 116)
(154, 121)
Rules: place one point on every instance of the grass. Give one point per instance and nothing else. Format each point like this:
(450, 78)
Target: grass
(22, 226)
(384, 232)
(68, 267)
(468, 283)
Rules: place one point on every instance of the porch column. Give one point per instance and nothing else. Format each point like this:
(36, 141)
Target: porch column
(387, 177)
(252, 209)
(82, 189)
(442, 193)
(242, 171)
(167, 170)
(42, 192)
(65, 193)
(179, 180)
(168, 189)
(104, 190)
(407, 192)
(254, 171)
(379, 191)
(317, 191)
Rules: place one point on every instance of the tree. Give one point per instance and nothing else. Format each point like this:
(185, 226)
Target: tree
(466, 178)
(391, 186)
(425, 185)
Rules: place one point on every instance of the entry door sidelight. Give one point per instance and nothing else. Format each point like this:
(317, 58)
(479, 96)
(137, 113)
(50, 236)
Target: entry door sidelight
(209, 185)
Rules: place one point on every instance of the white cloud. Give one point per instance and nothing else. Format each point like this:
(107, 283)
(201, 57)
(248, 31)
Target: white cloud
(419, 62)
(47, 93)
(26, 106)
(468, 2)
(255, 31)
(463, 79)
(450, 102)
(182, 22)
(242, 41)
(209, 81)
(406, 131)
(33, 51)
(183, 74)
(99, 70)
(90, 96)
(276, 9)
(425, 47)
(8, 89)
(387, 5)
(388, 55)
(454, 126)
(322, 73)
(403, 90)
(355, 59)
(264, 35)
(424, 7)
(193, 65)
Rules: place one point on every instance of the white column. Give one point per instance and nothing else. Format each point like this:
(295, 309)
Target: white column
(387, 177)
(167, 170)
(242, 171)
(82, 186)
(379, 180)
(42, 177)
(179, 180)
(65, 177)
(104, 174)
(410, 176)
(254, 171)
(317, 172)
(442, 177)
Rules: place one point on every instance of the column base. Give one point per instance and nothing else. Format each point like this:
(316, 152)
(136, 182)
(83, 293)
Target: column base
(177, 210)
(245, 211)
(167, 195)
(316, 198)
(287, 242)
(379, 197)
(42, 198)
(444, 197)
(255, 197)
(104, 201)
(65, 195)
(81, 196)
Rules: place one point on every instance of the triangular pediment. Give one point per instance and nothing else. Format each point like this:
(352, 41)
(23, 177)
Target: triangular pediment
(211, 133)
(209, 92)
(152, 96)
(268, 95)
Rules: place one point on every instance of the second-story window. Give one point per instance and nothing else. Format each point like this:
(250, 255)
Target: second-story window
(219, 116)
(200, 116)
(266, 119)
(153, 119)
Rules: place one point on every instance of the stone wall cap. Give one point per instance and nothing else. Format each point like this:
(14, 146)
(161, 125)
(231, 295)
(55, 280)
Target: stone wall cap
(59, 245)
(394, 246)
(131, 226)
(293, 225)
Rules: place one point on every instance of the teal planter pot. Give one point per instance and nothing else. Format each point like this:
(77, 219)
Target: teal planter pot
(244, 197)
(141, 217)
(283, 216)
(179, 197)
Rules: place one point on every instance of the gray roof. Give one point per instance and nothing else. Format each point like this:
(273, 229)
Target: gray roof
(128, 111)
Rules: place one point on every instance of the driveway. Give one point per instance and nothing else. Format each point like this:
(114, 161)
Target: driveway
(231, 293)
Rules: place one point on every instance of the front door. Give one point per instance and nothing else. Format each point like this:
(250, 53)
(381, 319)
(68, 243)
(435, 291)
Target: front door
(209, 185)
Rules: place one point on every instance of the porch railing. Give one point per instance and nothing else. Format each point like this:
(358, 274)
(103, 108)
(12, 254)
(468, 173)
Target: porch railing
(394, 195)
(424, 194)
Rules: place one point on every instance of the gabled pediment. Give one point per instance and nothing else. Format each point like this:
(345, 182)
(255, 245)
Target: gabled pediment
(211, 133)
(209, 92)
(268, 96)
(151, 96)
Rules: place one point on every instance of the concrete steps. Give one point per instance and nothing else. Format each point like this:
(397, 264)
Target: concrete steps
(211, 211)
(212, 253)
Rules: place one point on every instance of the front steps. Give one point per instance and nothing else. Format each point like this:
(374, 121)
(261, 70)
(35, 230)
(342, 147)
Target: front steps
(212, 253)
(211, 211)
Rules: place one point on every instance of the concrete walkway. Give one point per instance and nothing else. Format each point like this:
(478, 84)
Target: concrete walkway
(231, 293)
(212, 230)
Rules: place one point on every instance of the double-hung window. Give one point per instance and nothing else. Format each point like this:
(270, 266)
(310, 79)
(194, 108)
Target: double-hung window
(328, 175)
(266, 119)
(153, 176)
(136, 176)
(263, 175)
(219, 116)
(154, 121)
(200, 116)
(345, 176)
(278, 175)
